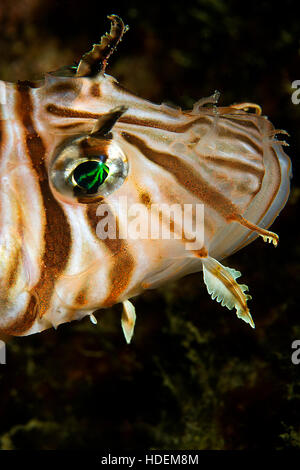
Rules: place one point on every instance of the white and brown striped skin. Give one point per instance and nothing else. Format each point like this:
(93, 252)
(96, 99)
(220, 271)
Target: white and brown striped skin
(54, 268)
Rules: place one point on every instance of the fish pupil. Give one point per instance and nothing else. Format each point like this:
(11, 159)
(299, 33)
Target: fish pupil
(90, 174)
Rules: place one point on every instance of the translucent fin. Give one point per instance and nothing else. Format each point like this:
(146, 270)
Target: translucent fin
(93, 319)
(128, 320)
(222, 286)
(213, 99)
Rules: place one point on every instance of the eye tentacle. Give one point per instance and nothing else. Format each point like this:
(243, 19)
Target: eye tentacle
(106, 122)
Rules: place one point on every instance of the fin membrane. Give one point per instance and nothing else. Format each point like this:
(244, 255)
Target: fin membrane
(222, 286)
(128, 320)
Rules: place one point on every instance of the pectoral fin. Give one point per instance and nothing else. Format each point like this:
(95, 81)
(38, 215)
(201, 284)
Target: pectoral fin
(128, 320)
(222, 286)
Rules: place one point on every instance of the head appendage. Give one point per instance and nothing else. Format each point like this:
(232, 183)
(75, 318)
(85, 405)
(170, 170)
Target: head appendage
(95, 61)
(247, 107)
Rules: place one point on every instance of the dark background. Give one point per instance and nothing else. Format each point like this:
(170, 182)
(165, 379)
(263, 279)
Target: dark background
(194, 377)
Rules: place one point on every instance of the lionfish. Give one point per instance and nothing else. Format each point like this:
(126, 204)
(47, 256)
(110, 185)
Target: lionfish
(77, 142)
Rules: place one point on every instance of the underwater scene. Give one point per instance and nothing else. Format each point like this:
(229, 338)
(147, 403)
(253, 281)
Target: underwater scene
(149, 199)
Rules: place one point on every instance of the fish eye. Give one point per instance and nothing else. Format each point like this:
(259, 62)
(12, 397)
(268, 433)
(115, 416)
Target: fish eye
(89, 175)
(87, 169)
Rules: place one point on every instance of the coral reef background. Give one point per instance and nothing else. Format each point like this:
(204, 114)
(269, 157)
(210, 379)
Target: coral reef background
(194, 377)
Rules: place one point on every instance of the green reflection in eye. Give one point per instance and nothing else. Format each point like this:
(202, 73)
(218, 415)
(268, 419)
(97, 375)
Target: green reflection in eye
(90, 174)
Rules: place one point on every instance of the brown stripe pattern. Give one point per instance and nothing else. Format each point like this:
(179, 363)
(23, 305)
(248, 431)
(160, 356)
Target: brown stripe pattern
(186, 177)
(57, 236)
(122, 261)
